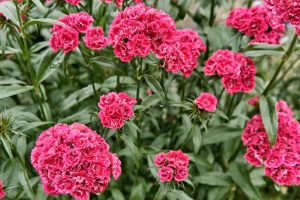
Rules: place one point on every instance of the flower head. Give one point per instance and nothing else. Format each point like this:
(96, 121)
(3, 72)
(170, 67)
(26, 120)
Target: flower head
(94, 38)
(206, 101)
(2, 193)
(75, 160)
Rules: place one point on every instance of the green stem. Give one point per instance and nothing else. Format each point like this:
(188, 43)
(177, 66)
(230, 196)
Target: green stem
(285, 58)
(212, 13)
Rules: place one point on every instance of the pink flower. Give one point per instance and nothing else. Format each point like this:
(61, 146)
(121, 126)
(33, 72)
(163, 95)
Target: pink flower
(207, 101)
(73, 2)
(165, 174)
(94, 38)
(181, 174)
(160, 159)
(80, 21)
(253, 101)
(138, 30)
(2, 193)
(75, 160)
(174, 164)
(257, 22)
(115, 109)
(282, 106)
(237, 70)
(65, 38)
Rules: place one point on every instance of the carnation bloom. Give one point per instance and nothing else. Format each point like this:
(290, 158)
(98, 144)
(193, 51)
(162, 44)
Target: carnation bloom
(115, 108)
(207, 101)
(75, 160)
(173, 165)
(94, 38)
(2, 193)
(281, 161)
(138, 30)
(80, 21)
(253, 101)
(73, 2)
(257, 22)
(237, 71)
(181, 55)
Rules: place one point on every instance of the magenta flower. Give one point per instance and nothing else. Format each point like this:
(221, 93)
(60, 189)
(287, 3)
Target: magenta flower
(73, 2)
(75, 160)
(94, 38)
(115, 108)
(237, 71)
(207, 101)
(173, 165)
(2, 193)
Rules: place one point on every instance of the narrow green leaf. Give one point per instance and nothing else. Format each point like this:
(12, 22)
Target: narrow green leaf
(155, 87)
(162, 191)
(220, 134)
(39, 4)
(21, 147)
(133, 148)
(269, 117)
(117, 194)
(8, 9)
(241, 177)
(180, 194)
(42, 21)
(260, 49)
(196, 138)
(33, 125)
(7, 91)
(48, 64)
(25, 182)
(213, 178)
(7, 146)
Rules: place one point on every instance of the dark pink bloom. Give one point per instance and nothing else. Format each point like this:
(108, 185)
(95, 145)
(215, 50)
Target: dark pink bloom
(94, 38)
(257, 22)
(75, 160)
(253, 101)
(138, 30)
(281, 160)
(65, 38)
(237, 70)
(115, 108)
(73, 2)
(80, 21)
(2, 193)
(160, 159)
(207, 101)
(173, 164)
(166, 174)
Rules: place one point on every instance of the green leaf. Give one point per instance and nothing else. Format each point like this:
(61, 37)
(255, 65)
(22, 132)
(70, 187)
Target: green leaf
(117, 194)
(155, 87)
(218, 193)
(260, 49)
(49, 62)
(25, 182)
(7, 146)
(181, 195)
(162, 191)
(213, 178)
(39, 4)
(241, 177)
(133, 148)
(21, 147)
(269, 117)
(33, 125)
(220, 134)
(196, 138)
(8, 9)
(7, 91)
(42, 21)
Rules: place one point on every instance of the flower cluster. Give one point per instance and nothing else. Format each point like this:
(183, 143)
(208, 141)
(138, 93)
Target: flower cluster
(75, 160)
(115, 108)
(66, 37)
(206, 101)
(258, 23)
(139, 29)
(285, 10)
(281, 160)
(237, 71)
(173, 164)
(181, 55)
(2, 193)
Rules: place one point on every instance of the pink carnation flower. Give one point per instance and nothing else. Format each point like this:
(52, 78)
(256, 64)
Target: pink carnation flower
(73, 2)
(207, 101)
(182, 54)
(94, 38)
(80, 21)
(237, 71)
(253, 101)
(75, 160)
(257, 22)
(281, 161)
(2, 193)
(173, 165)
(65, 38)
(138, 30)
(115, 108)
